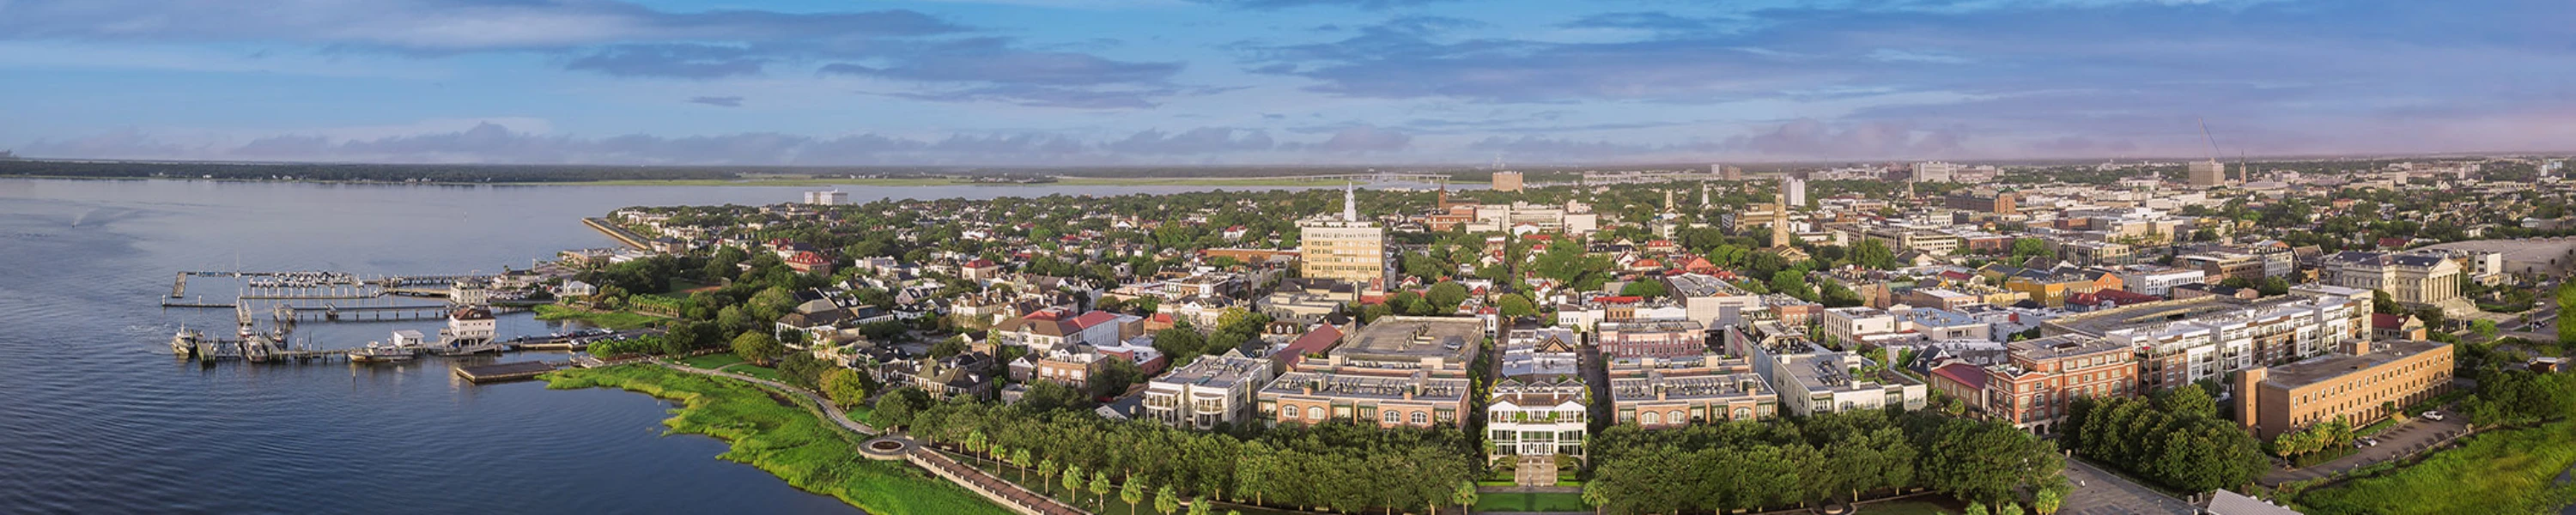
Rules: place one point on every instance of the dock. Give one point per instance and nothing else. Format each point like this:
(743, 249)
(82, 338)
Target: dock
(619, 233)
(504, 371)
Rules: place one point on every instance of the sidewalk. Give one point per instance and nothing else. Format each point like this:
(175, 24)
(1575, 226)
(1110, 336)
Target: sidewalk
(2098, 492)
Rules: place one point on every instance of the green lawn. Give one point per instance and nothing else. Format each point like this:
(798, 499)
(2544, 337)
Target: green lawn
(755, 371)
(785, 439)
(611, 319)
(2501, 472)
(713, 361)
(1490, 501)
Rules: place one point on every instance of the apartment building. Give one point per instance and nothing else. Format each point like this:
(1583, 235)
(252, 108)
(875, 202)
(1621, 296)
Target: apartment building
(2358, 385)
(1712, 301)
(1652, 338)
(1399, 372)
(1846, 325)
(2206, 338)
(1834, 382)
(1659, 393)
(1209, 391)
(2042, 377)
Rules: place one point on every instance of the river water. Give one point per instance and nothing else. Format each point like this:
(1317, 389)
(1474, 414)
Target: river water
(96, 416)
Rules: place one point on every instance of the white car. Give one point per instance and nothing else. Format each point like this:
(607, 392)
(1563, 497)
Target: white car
(2432, 415)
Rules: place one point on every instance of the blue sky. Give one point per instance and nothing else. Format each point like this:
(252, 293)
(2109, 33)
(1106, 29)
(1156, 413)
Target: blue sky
(1111, 82)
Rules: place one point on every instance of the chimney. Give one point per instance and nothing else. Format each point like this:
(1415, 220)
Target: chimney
(2248, 385)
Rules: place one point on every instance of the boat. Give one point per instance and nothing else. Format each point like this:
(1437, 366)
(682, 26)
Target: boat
(378, 352)
(185, 342)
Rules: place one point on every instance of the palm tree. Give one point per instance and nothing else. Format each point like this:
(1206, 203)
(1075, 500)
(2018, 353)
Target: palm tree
(1134, 493)
(1166, 501)
(1099, 487)
(1465, 496)
(1046, 470)
(2050, 499)
(1073, 480)
(1020, 459)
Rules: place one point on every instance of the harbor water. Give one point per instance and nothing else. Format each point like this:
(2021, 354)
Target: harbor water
(96, 415)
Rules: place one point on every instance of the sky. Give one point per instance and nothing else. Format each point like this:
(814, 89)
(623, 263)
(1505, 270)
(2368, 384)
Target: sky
(1286, 82)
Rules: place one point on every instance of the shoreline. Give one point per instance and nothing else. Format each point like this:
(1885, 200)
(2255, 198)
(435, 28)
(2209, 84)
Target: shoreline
(781, 437)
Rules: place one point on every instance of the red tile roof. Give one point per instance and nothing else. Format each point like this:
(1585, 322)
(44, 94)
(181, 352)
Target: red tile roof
(1096, 317)
(1318, 340)
(1963, 373)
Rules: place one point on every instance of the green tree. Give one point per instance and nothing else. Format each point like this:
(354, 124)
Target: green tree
(1073, 479)
(950, 346)
(1873, 254)
(1047, 470)
(1100, 488)
(2049, 500)
(2189, 400)
(1020, 460)
(1465, 496)
(1201, 506)
(1166, 501)
(1133, 493)
(757, 347)
(1977, 508)
(2485, 329)
(1516, 305)
(1643, 288)
(1446, 296)
(847, 387)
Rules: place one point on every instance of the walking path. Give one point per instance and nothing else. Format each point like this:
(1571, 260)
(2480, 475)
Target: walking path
(1009, 494)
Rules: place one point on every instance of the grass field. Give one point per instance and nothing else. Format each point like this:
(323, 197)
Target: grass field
(785, 439)
(2501, 472)
(1531, 502)
(611, 319)
(755, 371)
(713, 361)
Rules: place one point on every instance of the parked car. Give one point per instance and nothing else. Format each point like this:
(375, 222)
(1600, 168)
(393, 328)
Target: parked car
(2370, 442)
(2433, 415)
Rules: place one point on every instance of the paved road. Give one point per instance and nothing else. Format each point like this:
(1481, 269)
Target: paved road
(2100, 493)
(2406, 439)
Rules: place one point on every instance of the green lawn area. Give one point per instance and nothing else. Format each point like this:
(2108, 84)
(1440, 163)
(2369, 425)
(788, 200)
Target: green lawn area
(785, 439)
(755, 371)
(611, 320)
(713, 361)
(2501, 472)
(1530, 502)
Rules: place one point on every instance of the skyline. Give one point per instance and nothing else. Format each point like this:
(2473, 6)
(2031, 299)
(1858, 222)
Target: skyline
(1287, 82)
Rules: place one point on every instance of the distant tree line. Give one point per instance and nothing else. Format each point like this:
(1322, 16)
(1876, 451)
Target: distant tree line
(357, 172)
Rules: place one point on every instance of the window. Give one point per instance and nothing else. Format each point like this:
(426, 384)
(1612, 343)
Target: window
(1315, 412)
(1390, 416)
(1677, 417)
(1650, 418)
(1420, 418)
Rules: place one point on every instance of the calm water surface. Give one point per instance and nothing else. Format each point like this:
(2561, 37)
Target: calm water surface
(97, 417)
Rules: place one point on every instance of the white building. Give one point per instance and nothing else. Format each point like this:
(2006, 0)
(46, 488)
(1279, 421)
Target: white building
(1852, 323)
(1796, 190)
(1835, 382)
(1212, 390)
(827, 198)
(2158, 280)
(1935, 171)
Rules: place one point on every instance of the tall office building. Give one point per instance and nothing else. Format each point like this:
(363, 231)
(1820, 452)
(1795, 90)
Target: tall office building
(1346, 249)
(1507, 181)
(1935, 171)
(1795, 189)
(2208, 173)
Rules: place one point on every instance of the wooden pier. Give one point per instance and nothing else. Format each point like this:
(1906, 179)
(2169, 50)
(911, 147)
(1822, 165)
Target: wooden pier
(619, 233)
(361, 313)
(505, 371)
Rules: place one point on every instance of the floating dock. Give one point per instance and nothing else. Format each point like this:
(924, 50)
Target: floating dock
(512, 371)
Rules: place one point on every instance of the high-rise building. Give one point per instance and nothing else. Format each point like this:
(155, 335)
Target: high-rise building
(1347, 249)
(2208, 173)
(1934, 171)
(1507, 181)
(1795, 189)
(1732, 173)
